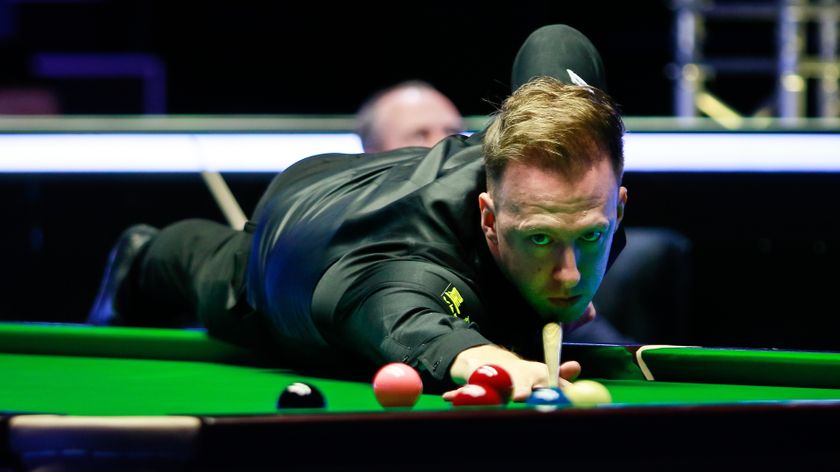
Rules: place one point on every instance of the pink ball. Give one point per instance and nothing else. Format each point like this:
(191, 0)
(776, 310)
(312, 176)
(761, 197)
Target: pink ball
(397, 385)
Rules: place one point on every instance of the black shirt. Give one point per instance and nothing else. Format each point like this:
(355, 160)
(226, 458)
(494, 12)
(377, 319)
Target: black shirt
(382, 255)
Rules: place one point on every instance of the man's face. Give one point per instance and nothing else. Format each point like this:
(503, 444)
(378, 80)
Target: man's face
(415, 117)
(551, 234)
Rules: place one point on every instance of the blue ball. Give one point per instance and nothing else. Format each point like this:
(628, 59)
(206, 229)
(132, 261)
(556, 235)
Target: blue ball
(547, 396)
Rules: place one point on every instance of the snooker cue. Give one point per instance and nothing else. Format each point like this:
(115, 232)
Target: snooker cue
(224, 198)
(552, 335)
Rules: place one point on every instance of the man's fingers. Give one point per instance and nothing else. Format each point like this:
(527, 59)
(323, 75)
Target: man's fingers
(532, 376)
(570, 370)
(520, 394)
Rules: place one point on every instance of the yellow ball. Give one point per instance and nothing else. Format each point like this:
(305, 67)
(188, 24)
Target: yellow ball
(587, 393)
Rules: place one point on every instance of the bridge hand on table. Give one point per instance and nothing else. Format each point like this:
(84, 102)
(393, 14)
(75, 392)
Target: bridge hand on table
(526, 375)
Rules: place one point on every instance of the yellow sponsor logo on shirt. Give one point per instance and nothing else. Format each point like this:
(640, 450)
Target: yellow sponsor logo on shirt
(454, 299)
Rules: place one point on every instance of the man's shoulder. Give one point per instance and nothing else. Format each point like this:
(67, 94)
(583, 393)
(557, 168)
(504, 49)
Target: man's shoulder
(459, 148)
(447, 147)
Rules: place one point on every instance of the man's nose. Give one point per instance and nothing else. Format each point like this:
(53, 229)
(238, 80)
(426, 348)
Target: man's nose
(565, 267)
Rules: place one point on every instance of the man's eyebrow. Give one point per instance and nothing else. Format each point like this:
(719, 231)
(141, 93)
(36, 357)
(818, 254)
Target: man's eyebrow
(601, 224)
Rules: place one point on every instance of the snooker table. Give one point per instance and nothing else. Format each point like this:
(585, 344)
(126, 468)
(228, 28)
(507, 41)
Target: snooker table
(91, 398)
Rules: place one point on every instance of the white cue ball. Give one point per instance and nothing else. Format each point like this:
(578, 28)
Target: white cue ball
(587, 393)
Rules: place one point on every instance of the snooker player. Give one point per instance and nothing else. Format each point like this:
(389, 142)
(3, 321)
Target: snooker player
(414, 113)
(445, 258)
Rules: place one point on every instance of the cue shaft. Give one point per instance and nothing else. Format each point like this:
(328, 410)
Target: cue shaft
(552, 336)
(224, 198)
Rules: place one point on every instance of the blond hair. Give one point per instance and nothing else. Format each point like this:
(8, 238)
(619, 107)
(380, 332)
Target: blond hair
(559, 126)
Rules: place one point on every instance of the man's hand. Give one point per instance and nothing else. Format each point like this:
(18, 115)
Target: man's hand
(526, 375)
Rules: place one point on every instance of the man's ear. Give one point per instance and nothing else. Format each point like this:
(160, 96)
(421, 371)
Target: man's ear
(622, 201)
(488, 218)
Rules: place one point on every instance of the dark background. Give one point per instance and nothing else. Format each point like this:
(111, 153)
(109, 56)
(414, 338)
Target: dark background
(765, 245)
(311, 57)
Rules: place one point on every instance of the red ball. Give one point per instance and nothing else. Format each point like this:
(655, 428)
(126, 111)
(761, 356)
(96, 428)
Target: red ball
(397, 385)
(477, 395)
(494, 377)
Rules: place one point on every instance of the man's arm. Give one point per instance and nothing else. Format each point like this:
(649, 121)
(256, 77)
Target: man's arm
(398, 315)
(400, 312)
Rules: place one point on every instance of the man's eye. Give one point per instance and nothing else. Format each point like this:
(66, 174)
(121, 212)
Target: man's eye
(593, 236)
(540, 239)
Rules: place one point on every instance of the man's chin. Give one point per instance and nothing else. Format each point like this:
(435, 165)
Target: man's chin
(562, 315)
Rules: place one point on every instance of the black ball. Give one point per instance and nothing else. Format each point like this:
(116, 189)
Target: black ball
(301, 395)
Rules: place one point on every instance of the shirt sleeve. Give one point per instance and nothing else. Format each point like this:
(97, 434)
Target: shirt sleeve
(412, 312)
